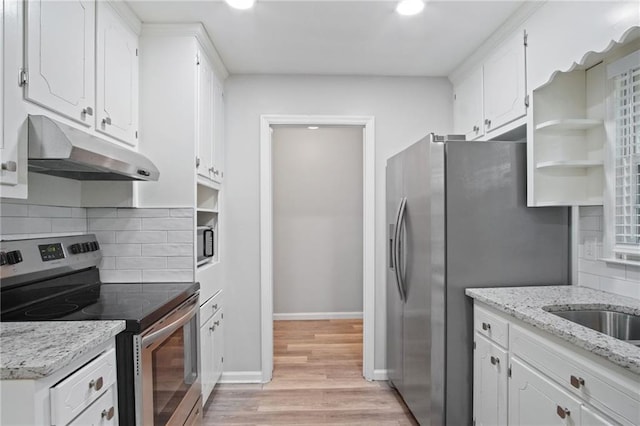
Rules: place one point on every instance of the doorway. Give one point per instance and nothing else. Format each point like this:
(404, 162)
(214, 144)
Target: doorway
(365, 125)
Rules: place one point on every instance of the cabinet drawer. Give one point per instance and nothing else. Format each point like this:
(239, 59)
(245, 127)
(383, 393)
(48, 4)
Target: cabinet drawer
(594, 384)
(103, 412)
(210, 307)
(491, 326)
(72, 395)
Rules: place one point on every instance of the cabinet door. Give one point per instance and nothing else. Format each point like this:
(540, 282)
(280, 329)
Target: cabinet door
(505, 84)
(116, 76)
(218, 132)
(534, 400)
(60, 52)
(205, 116)
(489, 383)
(206, 358)
(467, 106)
(218, 345)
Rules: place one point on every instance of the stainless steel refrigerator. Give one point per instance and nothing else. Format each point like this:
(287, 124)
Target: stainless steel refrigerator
(457, 218)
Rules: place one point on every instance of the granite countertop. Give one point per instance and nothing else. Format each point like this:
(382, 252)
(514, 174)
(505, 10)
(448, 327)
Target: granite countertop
(526, 304)
(31, 350)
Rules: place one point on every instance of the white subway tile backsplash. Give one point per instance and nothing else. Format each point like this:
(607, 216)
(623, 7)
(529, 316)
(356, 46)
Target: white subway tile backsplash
(120, 250)
(143, 212)
(591, 211)
(24, 225)
(102, 212)
(625, 288)
(78, 212)
(144, 237)
(180, 262)
(105, 237)
(169, 249)
(591, 223)
(589, 280)
(181, 212)
(14, 210)
(69, 225)
(173, 223)
(119, 224)
(633, 273)
(141, 262)
(121, 276)
(49, 211)
(167, 275)
(108, 263)
(180, 236)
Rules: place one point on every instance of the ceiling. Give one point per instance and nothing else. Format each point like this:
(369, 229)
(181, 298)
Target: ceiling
(330, 37)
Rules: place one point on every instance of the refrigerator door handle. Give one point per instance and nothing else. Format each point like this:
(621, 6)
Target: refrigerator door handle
(397, 248)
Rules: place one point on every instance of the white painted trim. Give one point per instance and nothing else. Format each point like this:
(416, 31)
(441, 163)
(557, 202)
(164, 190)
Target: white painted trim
(380, 374)
(302, 316)
(575, 243)
(266, 231)
(127, 15)
(196, 30)
(241, 377)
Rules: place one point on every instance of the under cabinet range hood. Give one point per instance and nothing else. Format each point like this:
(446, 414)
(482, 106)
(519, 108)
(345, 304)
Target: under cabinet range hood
(60, 150)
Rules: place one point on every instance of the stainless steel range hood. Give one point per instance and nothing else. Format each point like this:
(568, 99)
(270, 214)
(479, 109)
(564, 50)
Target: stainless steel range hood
(60, 150)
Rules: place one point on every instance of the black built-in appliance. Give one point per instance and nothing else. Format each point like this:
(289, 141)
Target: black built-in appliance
(58, 279)
(205, 243)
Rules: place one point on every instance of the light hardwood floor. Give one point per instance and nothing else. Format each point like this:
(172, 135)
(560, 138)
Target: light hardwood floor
(317, 379)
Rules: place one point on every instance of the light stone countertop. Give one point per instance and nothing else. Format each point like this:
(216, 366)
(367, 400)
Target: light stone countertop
(526, 304)
(32, 350)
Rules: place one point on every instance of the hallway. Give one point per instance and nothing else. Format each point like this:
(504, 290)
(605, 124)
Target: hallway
(317, 379)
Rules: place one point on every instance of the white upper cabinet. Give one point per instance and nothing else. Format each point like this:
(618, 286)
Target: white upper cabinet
(60, 43)
(116, 76)
(218, 132)
(467, 106)
(505, 83)
(205, 95)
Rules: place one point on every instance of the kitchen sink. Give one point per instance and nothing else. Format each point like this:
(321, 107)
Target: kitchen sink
(615, 324)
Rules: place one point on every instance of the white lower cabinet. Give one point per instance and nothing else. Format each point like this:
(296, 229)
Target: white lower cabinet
(525, 376)
(211, 344)
(489, 383)
(534, 400)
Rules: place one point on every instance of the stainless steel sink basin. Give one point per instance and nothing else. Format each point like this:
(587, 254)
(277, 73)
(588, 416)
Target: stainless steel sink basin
(615, 324)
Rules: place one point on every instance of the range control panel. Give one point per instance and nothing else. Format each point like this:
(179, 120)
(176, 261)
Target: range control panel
(22, 259)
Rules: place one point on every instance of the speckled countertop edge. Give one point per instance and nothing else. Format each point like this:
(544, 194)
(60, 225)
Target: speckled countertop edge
(527, 303)
(32, 350)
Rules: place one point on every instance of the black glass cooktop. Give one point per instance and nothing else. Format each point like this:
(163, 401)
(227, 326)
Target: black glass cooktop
(139, 304)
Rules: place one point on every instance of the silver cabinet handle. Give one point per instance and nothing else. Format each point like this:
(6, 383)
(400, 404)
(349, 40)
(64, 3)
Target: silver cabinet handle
(108, 414)
(562, 412)
(486, 326)
(215, 307)
(96, 384)
(487, 122)
(87, 111)
(212, 328)
(106, 120)
(217, 323)
(197, 161)
(10, 166)
(216, 172)
(476, 129)
(576, 382)
(495, 360)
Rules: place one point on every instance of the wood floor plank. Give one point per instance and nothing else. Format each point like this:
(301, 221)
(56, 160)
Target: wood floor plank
(317, 380)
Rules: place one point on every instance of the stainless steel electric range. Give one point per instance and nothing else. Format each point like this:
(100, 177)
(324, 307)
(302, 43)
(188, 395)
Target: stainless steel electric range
(51, 279)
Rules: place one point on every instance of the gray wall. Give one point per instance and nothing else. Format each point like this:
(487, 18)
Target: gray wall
(405, 109)
(317, 220)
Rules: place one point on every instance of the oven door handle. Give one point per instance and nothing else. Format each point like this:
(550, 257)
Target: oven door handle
(173, 326)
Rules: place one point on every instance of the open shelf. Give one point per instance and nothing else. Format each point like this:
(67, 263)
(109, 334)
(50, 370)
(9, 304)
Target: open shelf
(568, 124)
(569, 203)
(203, 210)
(570, 163)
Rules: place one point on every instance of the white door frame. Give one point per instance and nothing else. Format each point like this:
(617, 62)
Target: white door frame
(266, 231)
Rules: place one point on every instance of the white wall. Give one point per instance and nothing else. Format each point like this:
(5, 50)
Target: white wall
(405, 109)
(594, 273)
(317, 220)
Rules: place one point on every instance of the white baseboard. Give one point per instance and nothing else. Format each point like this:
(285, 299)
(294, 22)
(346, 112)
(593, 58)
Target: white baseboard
(380, 375)
(241, 377)
(317, 316)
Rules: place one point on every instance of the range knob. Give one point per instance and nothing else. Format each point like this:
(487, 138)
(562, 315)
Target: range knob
(95, 246)
(3, 258)
(14, 257)
(86, 248)
(75, 248)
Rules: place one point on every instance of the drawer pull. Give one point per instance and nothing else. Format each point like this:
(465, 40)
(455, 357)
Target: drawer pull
(215, 307)
(108, 414)
(562, 412)
(217, 323)
(212, 328)
(486, 326)
(495, 360)
(576, 382)
(96, 384)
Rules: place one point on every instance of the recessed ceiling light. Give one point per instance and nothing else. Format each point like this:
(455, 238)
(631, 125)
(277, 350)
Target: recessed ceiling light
(313, 127)
(409, 7)
(241, 4)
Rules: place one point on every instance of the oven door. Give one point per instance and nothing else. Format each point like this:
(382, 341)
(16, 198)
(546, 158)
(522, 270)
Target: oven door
(167, 376)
